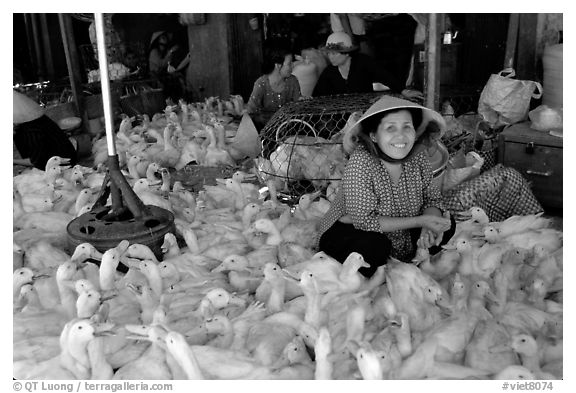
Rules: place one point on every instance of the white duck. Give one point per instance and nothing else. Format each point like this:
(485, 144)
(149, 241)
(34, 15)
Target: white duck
(73, 361)
(153, 363)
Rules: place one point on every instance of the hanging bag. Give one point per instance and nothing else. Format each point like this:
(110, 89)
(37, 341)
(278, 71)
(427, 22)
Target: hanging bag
(505, 100)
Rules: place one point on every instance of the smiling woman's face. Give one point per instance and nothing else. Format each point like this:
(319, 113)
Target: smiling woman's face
(395, 135)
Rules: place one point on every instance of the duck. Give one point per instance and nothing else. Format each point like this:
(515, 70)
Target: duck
(215, 248)
(488, 349)
(71, 363)
(35, 179)
(307, 209)
(295, 361)
(206, 362)
(233, 333)
(177, 346)
(141, 251)
(523, 317)
(295, 232)
(33, 319)
(241, 276)
(148, 303)
(438, 266)
(272, 290)
(545, 265)
(520, 223)
(421, 364)
(527, 348)
(100, 368)
(537, 291)
(480, 292)
(514, 372)
(478, 262)
(369, 363)
(549, 238)
(414, 293)
(43, 255)
(142, 189)
(152, 364)
(215, 155)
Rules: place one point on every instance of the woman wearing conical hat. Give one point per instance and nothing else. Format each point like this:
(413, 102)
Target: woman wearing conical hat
(387, 201)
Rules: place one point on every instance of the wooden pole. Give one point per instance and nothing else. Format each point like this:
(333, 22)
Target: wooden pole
(432, 66)
(30, 41)
(48, 60)
(40, 66)
(511, 41)
(73, 63)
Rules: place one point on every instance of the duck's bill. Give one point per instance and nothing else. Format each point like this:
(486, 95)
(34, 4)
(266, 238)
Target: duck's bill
(108, 297)
(135, 289)
(443, 304)
(38, 276)
(220, 269)
(462, 216)
(104, 329)
(448, 247)
(478, 236)
(500, 348)
(290, 276)
(237, 301)
(492, 298)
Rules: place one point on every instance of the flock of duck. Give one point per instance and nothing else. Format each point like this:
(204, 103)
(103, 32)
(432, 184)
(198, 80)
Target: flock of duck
(240, 293)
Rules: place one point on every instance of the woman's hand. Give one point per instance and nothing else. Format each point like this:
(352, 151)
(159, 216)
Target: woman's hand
(410, 93)
(436, 224)
(428, 239)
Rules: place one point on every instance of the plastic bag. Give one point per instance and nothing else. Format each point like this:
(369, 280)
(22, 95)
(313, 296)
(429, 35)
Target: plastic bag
(461, 168)
(505, 100)
(545, 118)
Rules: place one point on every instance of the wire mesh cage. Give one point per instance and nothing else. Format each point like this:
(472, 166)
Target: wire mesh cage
(302, 143)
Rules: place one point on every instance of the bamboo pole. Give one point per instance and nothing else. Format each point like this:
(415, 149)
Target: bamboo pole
(105, 81)
(73, 63)
(432, 66)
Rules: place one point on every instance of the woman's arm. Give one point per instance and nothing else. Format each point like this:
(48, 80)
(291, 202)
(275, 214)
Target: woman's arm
(184, 63)
(295, 92)
(255, 103)
(358, 188)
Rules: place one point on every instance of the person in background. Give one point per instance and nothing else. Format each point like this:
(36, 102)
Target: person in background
(131, 62)
(275, 88)
(353, 72)
(387, 204)
(391, 41)
(161, 57)
(36, 136)
(353, 25)
(160, 54)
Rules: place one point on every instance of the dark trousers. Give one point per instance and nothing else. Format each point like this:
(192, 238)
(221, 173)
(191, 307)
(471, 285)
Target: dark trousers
(342, 239)
(40, 139)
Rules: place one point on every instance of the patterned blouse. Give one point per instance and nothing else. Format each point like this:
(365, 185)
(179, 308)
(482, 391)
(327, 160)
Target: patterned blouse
(264, 99)
(367, 192)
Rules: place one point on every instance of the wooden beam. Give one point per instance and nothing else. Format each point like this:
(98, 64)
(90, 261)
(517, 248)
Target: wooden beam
(527, 41)
(40, 65)
(30, 41)
(46, 44)
(511, 41)
(433, 47)
(73, 63)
